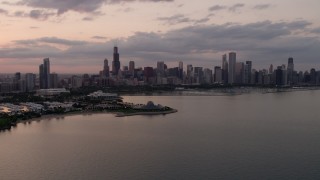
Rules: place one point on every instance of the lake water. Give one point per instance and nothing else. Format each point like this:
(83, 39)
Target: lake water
(250, 136)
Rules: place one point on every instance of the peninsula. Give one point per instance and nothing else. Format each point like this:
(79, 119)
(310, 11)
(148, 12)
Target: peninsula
(63, 103)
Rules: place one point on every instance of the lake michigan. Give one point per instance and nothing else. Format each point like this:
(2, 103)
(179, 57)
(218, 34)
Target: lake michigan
(248, 136)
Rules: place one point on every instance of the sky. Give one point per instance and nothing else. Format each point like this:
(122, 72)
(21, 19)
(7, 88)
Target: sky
(77, 35)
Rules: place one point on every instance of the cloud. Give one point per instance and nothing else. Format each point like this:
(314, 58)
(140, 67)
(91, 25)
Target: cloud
(3, 11)
(316, 30)
(99, 37)
(82, 6)
(262, 6)
(175, 19)
(263, 42)
(50, 40)
(87, 19)
(233, 8)
(236, 7)
(217, 8)
(40, 14)
(180, 18)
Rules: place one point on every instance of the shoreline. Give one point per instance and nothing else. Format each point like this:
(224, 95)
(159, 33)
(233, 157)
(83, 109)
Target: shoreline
(121, 114)
(116, 114)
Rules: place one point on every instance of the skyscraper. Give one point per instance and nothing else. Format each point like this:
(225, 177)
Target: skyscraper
(290, 70)
(247, 72)
(44, 74)
(115, 62)
(46, 71)
(181, 70)
(30, 82)
(160, 68)
(225, 69)
(106, 68)
(54, 80)
(217, 74)
(131, 67)
(41, 77)
(232, 67)
(271, 69)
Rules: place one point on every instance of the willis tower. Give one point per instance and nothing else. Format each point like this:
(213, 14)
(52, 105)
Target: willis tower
(115, 62)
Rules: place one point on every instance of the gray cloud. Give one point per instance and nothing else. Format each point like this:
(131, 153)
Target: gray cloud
(40, 14)
(82, 6)
(3, 11)
(87, 19)
(263, 42)
(217, 8)
(316, 30)
(236, 7)
(233, 8)
(175, 19)
(50, 40)
(99, 37)
(180, 18)
(262, 6)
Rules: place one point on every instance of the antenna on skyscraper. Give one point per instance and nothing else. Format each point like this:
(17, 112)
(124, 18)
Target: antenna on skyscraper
(115, 42)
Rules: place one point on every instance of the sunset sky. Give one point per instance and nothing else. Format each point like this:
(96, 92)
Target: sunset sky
(77, 35)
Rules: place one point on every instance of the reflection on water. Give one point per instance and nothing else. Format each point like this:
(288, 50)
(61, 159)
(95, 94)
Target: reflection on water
(251, 136)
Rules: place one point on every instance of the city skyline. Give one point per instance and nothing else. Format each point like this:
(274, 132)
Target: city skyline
(76, 35)
(231, 72)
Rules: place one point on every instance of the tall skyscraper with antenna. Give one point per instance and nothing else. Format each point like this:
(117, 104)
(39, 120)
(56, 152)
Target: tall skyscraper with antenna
(115, 62)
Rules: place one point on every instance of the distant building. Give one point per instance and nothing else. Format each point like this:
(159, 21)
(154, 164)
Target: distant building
(247, 72)
(217, 74)
(30, 82)
(290, 70)
(116, 62)
(76, 82)
(54, 80)
(232, 68)
(131, 68)
(207, 76)
(106, 70)
(180, 70)
(161, 68)
(44, 74)
(239, 73)
(225, 69)
(271, 69)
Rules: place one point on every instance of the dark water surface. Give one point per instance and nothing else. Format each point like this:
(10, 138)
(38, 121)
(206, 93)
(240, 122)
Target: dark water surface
(251, 136)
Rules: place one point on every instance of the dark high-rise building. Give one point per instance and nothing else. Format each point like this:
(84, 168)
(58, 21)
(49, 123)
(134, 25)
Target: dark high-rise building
(313, 76)
(46, 69)
(44, 74)
(17, 76)
(225, 69)
(290, 70)
(181, 70)
(106, 69)
(271, 69)
(41, 77)
(115, 62)
(279, 76)
(217, 74)
(247, 72)
(54, 80)
(30, 82)
(232, 67)
(131, 68)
